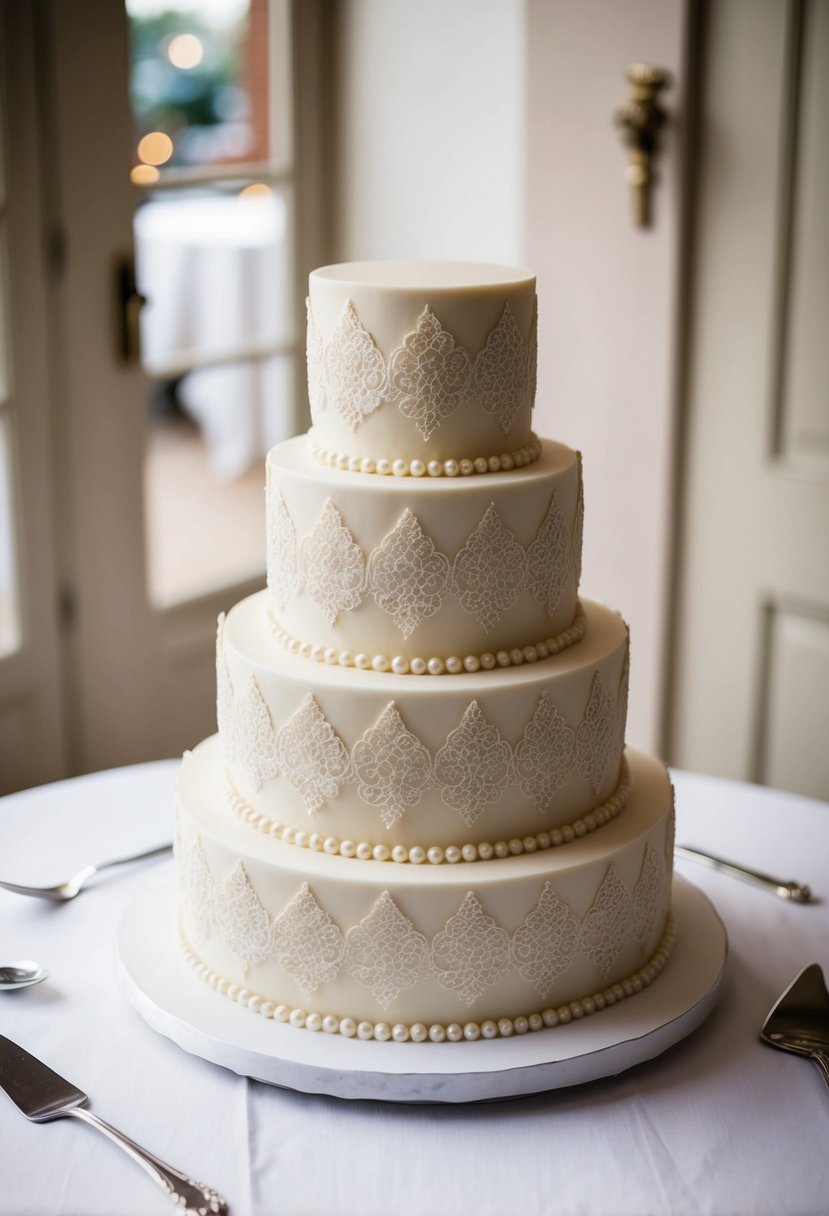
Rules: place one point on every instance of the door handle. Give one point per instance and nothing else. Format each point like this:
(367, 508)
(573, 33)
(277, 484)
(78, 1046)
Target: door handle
(130, 301)
(640, 120)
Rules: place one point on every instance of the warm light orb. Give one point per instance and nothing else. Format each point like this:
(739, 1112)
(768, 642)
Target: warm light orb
(144, 175)
(185, 51)
(256, 190)
(155, 148)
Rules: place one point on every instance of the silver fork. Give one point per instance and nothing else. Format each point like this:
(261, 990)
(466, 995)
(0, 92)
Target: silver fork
(64, 891)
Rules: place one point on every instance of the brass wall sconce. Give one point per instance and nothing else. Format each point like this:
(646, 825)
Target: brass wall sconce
(640, 120)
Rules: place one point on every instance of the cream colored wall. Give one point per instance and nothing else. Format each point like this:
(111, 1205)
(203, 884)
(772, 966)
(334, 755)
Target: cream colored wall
(608, 306)
(429, 109)
(482, 129)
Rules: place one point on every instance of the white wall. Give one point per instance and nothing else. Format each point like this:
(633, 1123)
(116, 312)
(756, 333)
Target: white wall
(430, 114)
(607, 316)
(483, 129)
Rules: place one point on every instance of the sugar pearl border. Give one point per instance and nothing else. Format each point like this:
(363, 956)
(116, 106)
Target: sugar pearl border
(461, 467)
(453, 665)
(436, 854)
(437, 1032)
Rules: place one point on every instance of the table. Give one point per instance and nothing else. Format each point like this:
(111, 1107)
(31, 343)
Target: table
(720, 1124)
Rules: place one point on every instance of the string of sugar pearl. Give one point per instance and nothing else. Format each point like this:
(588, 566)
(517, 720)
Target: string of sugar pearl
(434, 665)
(436, 855)
(464, 466)
(437, 1032)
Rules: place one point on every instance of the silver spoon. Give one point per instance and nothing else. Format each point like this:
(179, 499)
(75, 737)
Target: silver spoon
(72, 887)
(799, 1021)
(21, 974)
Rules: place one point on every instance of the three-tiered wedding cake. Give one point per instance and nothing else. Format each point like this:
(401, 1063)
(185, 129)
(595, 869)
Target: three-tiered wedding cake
(418, 819)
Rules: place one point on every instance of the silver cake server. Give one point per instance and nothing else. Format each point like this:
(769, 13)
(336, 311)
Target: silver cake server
(42, 1095)
(799, 1021)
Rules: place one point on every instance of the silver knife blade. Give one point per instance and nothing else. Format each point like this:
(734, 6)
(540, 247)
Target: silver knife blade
(38, 1091)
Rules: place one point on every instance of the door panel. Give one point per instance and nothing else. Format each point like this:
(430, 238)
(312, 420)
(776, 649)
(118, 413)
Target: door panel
(754, 596)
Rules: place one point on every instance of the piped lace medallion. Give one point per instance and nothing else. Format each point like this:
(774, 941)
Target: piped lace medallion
(501, 370)
(356, 381)
(391, 766)
(428, 376)
(544, 756)
(385, 952)
(241, 922)
(490, 570)
(307, 942)
(312, 756)
(472, 952)
(333, 563)
(284, 567)
(407, 575)
(597, 735)
(607, 925)
(544, 945)
(473, 766)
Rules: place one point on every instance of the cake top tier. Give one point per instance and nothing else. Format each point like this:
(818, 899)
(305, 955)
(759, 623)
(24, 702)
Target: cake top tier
(421, 360)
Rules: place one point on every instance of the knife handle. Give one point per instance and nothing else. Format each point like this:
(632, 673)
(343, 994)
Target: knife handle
(194, 1197)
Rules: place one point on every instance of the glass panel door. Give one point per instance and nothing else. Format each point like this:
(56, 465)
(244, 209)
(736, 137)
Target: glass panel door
(214, 239)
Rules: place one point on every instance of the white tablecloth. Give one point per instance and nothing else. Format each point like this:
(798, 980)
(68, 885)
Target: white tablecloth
(720, 1124)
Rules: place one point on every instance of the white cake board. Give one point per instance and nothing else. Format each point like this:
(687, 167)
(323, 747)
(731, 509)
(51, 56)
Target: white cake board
(176, 1003)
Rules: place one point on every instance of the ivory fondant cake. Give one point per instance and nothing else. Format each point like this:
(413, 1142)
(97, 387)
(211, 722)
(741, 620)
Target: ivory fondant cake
(419, 818)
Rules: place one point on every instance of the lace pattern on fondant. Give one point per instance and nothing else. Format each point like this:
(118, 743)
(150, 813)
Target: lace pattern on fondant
(387, 953)
(307, 942)
(356, 380)
(408, 576)
(284, 567)
(474, 765)
(312, 756)
(428, 376)
(455, 1032)
(392, 768)
(333, 565)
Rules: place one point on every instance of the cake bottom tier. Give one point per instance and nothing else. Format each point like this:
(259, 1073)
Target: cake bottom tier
(381, 950)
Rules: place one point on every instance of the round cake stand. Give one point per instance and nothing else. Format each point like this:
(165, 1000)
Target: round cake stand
(179, 1005)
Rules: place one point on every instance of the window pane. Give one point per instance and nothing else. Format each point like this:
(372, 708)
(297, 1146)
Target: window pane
(215, 270)
(9, 608)
(204, 475)
(199, 83)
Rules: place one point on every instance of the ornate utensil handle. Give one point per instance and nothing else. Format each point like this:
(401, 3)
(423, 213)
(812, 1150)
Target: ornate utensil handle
(194, 1197)
(821, 1058)
(795, 892)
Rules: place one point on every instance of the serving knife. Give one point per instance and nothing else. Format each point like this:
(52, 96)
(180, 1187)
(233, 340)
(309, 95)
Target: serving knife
(43, 1095)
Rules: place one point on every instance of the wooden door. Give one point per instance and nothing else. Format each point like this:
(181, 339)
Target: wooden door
(751, 689)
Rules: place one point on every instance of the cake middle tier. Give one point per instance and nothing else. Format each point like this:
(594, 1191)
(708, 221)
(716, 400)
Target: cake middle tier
(415, 569)
(413, 762)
